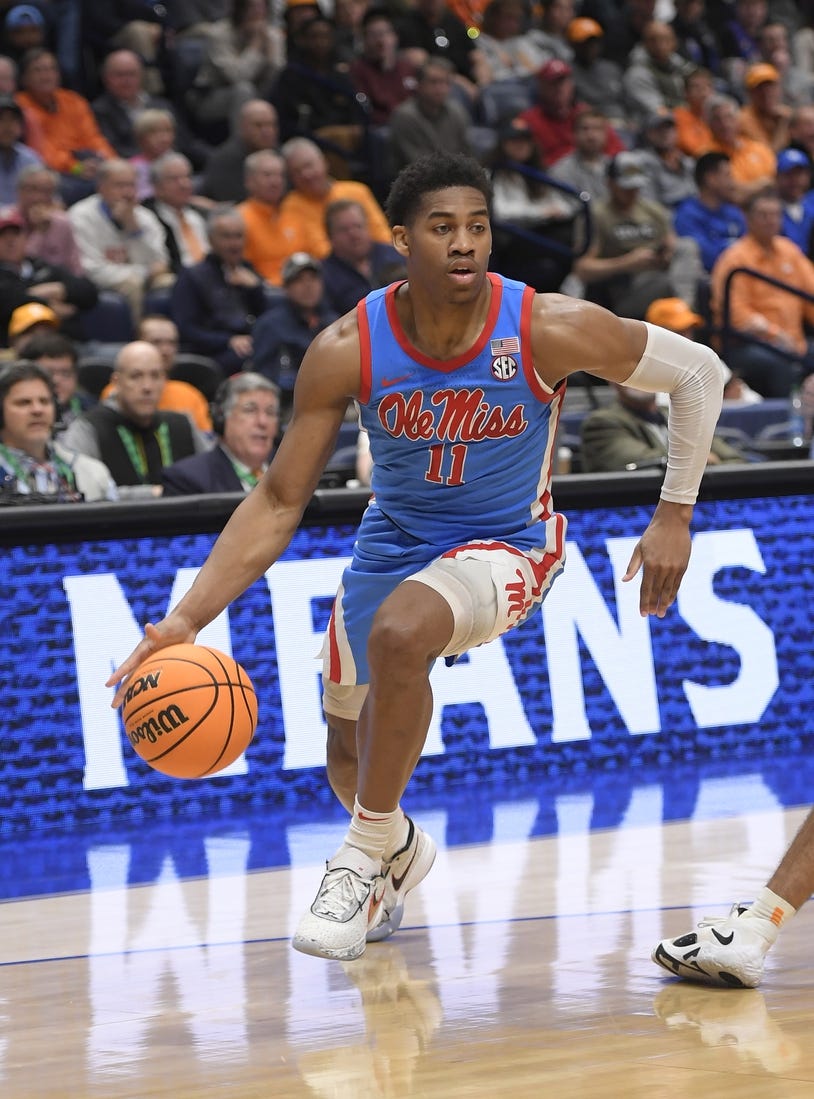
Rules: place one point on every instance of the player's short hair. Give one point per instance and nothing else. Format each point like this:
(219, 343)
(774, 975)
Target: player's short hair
(433, 173)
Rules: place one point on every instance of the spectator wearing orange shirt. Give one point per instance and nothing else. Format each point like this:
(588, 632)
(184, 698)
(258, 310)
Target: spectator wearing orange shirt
(271, 237)
(759, 309)
(694, 135)
(314, 189)
(64, 130)
(754, 165)
(765, 117)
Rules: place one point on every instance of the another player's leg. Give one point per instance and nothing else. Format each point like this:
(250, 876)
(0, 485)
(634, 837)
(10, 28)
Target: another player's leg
(730, 951)
(409, 630)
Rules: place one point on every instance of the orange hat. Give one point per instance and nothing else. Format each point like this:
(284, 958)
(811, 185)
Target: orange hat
(580, 30)
(672, 313)
(761, 74)
(25, 316)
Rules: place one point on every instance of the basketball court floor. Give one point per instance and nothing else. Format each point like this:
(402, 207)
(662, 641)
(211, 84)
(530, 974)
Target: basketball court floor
(153, 960)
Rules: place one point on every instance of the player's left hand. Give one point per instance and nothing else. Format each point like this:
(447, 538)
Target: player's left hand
(663, 553)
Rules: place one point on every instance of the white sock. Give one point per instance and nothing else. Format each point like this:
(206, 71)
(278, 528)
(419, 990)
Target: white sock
(370, 832)
(398, 836)
(771, 910)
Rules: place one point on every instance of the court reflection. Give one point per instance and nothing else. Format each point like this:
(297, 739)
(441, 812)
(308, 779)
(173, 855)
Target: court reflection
(733, 1022)
(395, 1016)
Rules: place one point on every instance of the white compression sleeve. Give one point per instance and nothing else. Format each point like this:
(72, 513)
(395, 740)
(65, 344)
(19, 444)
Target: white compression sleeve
(693, 376)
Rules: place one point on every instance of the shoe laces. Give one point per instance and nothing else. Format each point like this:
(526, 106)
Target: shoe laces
(342, 891)
(714, 921)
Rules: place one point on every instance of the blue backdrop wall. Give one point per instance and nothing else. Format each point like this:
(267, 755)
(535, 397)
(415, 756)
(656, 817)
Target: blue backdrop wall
(586, 685)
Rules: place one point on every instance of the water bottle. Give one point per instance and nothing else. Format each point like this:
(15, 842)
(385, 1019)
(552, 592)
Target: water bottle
(796, 418)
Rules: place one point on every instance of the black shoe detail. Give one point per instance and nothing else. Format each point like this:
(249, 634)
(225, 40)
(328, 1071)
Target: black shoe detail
(731, 980)
(724, 940)
(689, 939)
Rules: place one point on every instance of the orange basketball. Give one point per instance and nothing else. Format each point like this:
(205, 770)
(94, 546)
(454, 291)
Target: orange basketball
(189, 711)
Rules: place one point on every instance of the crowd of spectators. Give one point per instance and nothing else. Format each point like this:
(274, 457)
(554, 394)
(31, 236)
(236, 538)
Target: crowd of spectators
(214, 171)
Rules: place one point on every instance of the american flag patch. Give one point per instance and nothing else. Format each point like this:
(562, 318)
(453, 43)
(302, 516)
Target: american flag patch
(510, 346)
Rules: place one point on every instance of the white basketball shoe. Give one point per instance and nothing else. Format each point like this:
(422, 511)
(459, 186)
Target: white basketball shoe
(403, 872)
(347, 906)
(726, 951)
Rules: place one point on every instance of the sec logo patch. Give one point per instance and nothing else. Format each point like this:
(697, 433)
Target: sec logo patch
(504, 368)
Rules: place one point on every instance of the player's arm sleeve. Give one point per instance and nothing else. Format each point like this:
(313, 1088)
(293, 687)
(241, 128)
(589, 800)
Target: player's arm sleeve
(693, 376)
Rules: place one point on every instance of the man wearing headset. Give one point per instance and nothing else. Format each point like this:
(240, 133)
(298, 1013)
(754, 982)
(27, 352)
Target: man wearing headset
(246, 421)
(34, 468)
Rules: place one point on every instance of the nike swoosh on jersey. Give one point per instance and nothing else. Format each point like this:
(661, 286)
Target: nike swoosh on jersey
(387, 382)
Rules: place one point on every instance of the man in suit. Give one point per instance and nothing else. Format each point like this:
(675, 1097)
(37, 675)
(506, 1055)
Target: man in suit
(215, 302)
(246, 419)
(631, 433)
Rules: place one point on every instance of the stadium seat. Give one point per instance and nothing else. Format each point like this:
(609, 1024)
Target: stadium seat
(198, 370)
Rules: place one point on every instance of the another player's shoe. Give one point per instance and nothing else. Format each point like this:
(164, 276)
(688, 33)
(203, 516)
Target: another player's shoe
(403, 872)
(727, 951)
(347, 906)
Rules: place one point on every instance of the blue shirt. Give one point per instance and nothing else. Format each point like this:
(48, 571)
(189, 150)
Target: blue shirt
(798, 222)
(714, 230)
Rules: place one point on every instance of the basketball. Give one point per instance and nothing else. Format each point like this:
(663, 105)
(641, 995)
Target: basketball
(189, 711)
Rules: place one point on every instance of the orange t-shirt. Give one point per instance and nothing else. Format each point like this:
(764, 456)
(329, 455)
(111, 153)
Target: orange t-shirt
(309, 213)
(69, 129)
(750, 160)
(271, 237)
(694, 136)
(752, 300)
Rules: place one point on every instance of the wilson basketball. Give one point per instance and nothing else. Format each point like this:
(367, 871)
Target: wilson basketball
(189, 711)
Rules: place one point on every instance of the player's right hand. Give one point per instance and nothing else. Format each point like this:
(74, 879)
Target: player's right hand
(172, 630)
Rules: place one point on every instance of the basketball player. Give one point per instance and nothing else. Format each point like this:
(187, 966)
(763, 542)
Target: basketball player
(459, 375)
(730, 951)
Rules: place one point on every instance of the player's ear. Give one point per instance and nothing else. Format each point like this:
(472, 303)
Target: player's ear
(400, 240)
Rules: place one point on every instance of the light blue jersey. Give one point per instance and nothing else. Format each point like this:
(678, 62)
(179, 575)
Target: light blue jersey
(462, 452)
(462, 449)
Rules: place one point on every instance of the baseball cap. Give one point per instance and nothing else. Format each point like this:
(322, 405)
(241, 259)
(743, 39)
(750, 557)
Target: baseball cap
(672, 313)
(33, 312)
(761, 74)
(9, 216)
(554, 69)
(9, 103)
(580, 30)
(625, 170)
(787, 159)
(296, 264)
(514, 127)
(24, 15)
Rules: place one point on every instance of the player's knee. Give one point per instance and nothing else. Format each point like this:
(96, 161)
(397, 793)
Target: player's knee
(397, 643)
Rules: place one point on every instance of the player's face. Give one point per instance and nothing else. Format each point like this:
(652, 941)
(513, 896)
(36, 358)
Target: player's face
(28, 416)
(448, 245)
